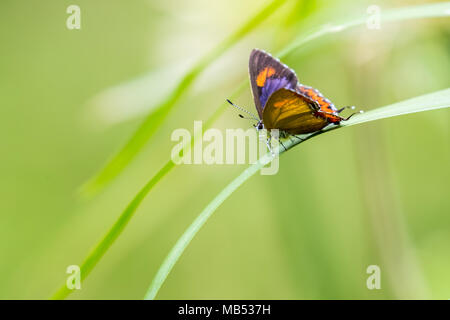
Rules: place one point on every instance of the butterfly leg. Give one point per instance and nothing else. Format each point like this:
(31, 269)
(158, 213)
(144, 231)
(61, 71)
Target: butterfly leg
(351, 107)
(297, 137)
(279, 141)
(269, 146)
(345, 119)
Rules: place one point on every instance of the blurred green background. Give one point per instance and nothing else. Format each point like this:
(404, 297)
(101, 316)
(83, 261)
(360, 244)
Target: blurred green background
(375, 194)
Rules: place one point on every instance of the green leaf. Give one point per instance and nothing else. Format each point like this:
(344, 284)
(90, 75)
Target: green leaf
(436, 100)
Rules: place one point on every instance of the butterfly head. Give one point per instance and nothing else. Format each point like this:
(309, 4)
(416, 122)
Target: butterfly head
(259, 125)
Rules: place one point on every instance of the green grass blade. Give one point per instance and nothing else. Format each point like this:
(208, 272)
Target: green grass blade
(96, 254)
(433, 10)
(436, 100)
(153, 120)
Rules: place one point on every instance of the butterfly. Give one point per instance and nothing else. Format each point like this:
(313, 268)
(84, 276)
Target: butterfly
(285, 104)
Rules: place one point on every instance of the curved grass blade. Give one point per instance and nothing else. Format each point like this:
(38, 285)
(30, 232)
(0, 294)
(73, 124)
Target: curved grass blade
(427, 102)
(436, 100)
(428, 11)
(432, 10)
(155, 119)
(97, 253)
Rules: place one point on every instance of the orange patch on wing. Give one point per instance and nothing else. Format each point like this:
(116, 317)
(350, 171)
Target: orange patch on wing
(263, 75)
(281, 103)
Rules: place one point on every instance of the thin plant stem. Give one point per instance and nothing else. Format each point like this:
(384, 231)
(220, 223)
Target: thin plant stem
(436, 100)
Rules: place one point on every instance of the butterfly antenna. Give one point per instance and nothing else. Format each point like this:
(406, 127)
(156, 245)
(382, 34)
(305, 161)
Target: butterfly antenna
(244, 117)
(243, 110)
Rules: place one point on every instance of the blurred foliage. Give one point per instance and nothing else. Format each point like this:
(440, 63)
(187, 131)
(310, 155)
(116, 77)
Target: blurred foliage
(375, 194)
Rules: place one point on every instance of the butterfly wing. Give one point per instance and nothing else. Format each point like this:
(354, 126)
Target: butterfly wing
(289, 111)
(267, 75)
